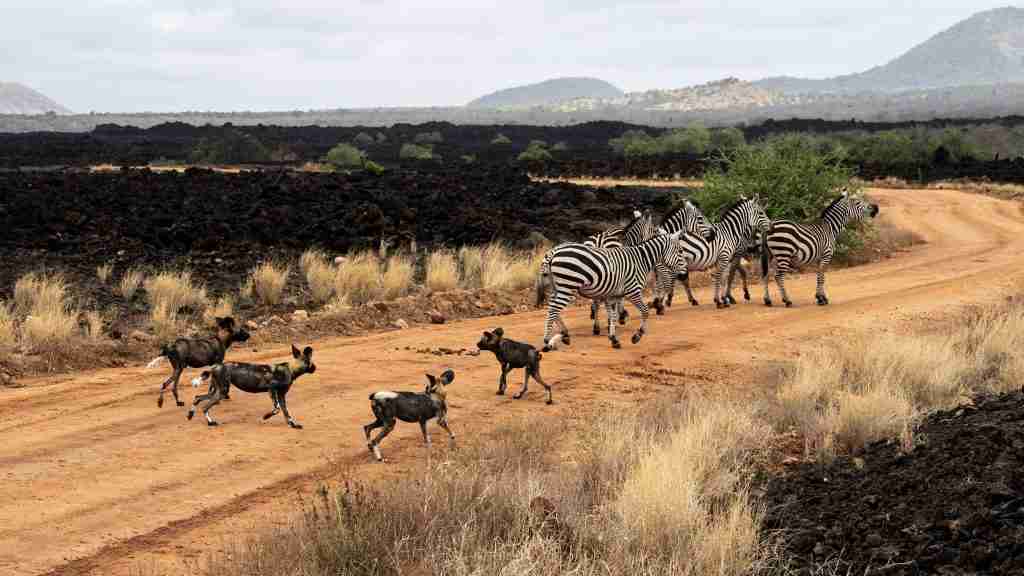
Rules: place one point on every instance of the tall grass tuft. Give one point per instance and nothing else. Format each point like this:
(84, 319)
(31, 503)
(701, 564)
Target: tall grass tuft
(268, 282)
(103, 272)
(52, 320)
(319, 275)
(442, 271)
(224, 307)
(398, 276)
(164, 321)
(358, 280)
(131, 280)
(8, 328)
(175, 290)
(93, 325)
(472, 260)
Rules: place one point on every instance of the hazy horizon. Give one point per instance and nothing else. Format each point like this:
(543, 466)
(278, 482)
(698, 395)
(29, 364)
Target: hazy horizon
(170, 56)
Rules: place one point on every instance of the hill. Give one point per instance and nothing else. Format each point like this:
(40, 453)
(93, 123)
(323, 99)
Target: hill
(985, 49)
(548, 92)
(18, 99)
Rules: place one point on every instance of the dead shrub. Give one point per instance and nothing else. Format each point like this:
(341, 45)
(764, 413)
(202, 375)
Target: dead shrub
(224, 307)
(358, 279)
(131, 280)
(176, 290)
(442, 271)
(103, 272)
(268, 282)
(52, 320)
(398, 277)
(8, 328)
(319, 275)
(93, 325)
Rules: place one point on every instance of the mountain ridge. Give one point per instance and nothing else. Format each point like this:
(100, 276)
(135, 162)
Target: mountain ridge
(17, 98)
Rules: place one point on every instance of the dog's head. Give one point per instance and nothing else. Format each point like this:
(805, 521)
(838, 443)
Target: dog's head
(229, 331)
(302, 362)
(491, 340)
(436, 386)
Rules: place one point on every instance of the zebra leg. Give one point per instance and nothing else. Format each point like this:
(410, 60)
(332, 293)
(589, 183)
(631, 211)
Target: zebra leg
(596, 317)
(781, 267)
(564, 330)
(612, 305)
(819, 295)
(554, 310)
(689, 292)
(764, 280)
(743, 276)
(637, 298)
(623, 313)
(593, 311)
(717, 276)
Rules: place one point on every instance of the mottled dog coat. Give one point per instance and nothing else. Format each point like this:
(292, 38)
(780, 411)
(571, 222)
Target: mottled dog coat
(512, 355)
(197, 353)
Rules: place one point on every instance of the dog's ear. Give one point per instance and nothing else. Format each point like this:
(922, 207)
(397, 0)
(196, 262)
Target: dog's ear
(499, 332)
(448, 376)
(431, 382)
(295, 352)
(307, 351)
(487, 334)
(227, 323)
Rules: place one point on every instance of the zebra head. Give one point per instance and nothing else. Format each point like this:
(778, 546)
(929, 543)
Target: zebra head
(757, 217)
(688, 218)
(856, 207)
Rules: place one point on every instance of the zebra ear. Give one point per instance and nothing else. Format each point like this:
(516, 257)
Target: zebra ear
(846, 192)
(675, 235)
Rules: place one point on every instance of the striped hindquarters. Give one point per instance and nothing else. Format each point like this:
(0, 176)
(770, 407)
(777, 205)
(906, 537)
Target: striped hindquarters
(799, 243)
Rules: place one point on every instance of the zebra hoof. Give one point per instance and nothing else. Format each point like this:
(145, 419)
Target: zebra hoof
(597, 331)
(546, 348)
(180, 403)
(160, 402)
(637, 337)
(213, 423)
(822, 300)
(746, 296)
(565, 339)
(768, 302)
(616, 343)
(694, 303)
(191, 413)
(721, 305)
(789, 304)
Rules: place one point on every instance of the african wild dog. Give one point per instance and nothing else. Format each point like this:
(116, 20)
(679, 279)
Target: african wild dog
(197, 353)
(389, 407)
(512, 355)
(256, 378)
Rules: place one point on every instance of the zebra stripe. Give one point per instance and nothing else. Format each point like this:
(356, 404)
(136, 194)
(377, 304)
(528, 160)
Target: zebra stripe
(581, 270)
(793, 244)
(637, 231)
(732, 236)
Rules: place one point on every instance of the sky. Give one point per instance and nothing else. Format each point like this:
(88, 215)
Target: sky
(178, 55)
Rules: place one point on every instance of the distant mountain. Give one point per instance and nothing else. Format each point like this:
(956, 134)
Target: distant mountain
(18, 99)
(547, 93)
(718, 95)
(985, 49)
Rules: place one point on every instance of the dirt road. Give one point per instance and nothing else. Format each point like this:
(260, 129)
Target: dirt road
(98, 480)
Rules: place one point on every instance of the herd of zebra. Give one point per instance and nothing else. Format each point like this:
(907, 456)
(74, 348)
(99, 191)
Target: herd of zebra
(615, 265)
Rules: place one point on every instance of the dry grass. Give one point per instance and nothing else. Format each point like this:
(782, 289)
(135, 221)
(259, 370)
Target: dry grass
(8, 328)
(246, 289)
(874, 387)
(268, 282)
(442, 271)
(497, 267)
(224, 307)
(471, 513)
(358, 280)
(311, 257)
(398, 277)
(164, 321)
(131, 280)
(471, 259)
(93, 325)
(51, 321)
(175, 290)
(103, 272)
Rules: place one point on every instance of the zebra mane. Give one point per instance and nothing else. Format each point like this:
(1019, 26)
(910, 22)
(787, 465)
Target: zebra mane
(735, 206)
(632, 223)
(831, 206)
(678, 209)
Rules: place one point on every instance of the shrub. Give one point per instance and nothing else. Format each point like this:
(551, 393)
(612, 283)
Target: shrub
(472, 260)
(434, 137)
(469, 158)
(560, 147)
(727, 138)
(230, 146)
(130, 282)
(398, 277)
(224, 307)
(442, 271)
(319, 275)
(176, 290)
(51, 321)
(103, 272)
(362, 140)
(8, 331)
(268, 282)
(358, 280)
(794, 180)
(345, 156)
(536, 152)
(501, 140)
(415, 152)
(93, 325)
(163, 319)
(373, 168)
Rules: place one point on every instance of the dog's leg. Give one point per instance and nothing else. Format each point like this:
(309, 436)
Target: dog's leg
(526, 383)
(277, 406)
(200, 398)
(423, 429)
(534, 370)
(503, 379)
(178, 369)
(217, 396)
(388, 427)
(443, 422)
(163, 387)
(284, 408)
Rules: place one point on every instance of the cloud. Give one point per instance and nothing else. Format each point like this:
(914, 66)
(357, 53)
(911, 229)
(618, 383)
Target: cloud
(131, 55)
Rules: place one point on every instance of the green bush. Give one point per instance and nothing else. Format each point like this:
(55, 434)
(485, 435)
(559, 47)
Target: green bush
(416, 152)
(345, 156)
(690, 140)
(560, 147)
(469, 158)
(727, 138)
(794, 179)
(434, 137)
(362, 140)
(501, 140)
(230, 147)
(537, 151)
(373, 168)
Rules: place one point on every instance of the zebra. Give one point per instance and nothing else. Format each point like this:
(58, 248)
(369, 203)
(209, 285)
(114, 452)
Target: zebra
(751, 252)
(732, 236)
(578, 269)
(791, 243)
(640, 229)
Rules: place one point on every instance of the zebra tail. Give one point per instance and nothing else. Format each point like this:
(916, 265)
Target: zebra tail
(541, 288)
(764, 255)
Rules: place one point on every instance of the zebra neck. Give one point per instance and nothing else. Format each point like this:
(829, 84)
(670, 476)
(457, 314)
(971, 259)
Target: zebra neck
(835, 222)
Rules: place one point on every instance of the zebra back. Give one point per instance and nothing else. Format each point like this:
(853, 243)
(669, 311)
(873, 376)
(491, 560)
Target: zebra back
(686, 218)
(576, 267)
(639, 230)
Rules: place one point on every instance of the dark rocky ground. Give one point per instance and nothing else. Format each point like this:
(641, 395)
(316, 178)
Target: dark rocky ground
(954, 505)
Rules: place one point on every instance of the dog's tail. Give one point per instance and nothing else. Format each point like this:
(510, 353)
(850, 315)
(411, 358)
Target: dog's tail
(156, 361)
(201, 378)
